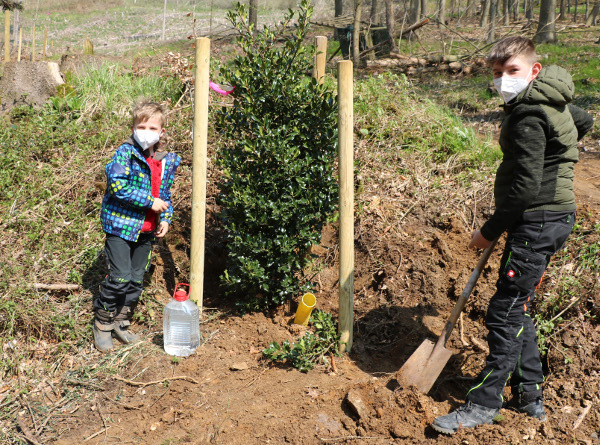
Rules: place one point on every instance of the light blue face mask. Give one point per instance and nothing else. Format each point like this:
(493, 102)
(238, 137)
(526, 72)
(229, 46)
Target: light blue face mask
(510, 87)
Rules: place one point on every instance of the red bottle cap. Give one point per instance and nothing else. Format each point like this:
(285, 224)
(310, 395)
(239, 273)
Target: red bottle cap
(180, 295)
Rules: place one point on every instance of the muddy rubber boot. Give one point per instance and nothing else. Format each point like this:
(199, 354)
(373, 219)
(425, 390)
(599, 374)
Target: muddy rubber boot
(102, 329)
(467, 416)
(122, 322)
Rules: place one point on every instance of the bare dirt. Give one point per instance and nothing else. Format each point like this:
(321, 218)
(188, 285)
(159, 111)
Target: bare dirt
(406, 282)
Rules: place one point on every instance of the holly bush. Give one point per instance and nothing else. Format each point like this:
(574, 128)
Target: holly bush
(279, 147)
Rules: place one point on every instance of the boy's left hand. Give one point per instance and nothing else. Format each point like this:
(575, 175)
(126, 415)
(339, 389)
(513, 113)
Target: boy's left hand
(477, 240)
(162, 229)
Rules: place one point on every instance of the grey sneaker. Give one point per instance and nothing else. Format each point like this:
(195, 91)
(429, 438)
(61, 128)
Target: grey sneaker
(467, 416)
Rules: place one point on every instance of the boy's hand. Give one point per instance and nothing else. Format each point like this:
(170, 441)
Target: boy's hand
(159, 205)
(477, 240)
(162, 229)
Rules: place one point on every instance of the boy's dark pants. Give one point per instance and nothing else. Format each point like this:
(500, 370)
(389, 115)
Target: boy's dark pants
(512, 338)
(127, 262)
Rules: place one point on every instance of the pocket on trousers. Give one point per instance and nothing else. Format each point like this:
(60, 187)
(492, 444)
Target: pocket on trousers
(522, 271)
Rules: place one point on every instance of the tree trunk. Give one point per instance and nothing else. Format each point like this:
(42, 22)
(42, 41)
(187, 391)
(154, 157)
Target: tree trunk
(505, 7)
(164, 20)
(562, 12)
(574, 13)
(529, 13)
(339, 10)
(390, 21)
(587, 8)
(546, 32)
(485, 14)
(593, 17)
(253, 13)
(423, 8)
(441, 13)
(374, 17)
(16, 24)
(492, 31)
(356, 33)
(415, 11)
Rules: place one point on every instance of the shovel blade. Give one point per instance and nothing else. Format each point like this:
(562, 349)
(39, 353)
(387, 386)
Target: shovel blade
(424, 367)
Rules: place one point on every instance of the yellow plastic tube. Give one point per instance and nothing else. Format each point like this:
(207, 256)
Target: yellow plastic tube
(305, 307)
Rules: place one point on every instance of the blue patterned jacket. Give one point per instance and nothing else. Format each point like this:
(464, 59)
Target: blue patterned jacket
(128, 196)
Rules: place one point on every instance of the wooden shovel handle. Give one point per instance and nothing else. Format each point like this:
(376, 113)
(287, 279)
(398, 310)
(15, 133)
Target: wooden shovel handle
(462, 300)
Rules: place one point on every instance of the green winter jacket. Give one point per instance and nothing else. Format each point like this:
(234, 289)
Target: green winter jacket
(539, 142)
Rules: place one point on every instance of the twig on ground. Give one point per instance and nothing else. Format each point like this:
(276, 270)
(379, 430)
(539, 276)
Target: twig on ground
(345, 438)
(482, 347)
(80, 383)
(588, 405)
(96, 434)
(155, 382)
(26, 403)
(255, 379)
(60, 403)
(101, 416)
(57, 286)
(160, 397)
(26, 431)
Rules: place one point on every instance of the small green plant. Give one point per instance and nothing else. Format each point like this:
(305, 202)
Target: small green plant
(310, 349)
(280, 141)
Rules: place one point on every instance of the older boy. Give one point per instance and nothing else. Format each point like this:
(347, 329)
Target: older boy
(535, 205)
(136, 208)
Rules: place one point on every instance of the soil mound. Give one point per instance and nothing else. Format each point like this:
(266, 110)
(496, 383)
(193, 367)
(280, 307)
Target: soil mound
(28, 83)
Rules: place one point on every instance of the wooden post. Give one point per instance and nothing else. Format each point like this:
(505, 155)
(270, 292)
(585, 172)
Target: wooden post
(45, 43)
(200, 142)
(320, 58)
(33, 45)
(7, 35)
(20, 44)
(346, 172)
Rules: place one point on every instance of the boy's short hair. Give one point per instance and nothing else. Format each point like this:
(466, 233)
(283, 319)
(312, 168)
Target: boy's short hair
(145, 110)
(510, 47)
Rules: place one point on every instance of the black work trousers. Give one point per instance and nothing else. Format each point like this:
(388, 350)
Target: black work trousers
(512, 337)
(127, 262)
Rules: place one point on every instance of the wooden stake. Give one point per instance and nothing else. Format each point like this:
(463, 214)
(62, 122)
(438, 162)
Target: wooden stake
(33, 45)
(346, 172)
(7, 35)
(20, 44)
(200, 142)
(320, 58)
(45, 43)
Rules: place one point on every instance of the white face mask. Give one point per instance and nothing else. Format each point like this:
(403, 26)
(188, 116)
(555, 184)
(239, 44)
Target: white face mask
(510, 87)
(146, 138)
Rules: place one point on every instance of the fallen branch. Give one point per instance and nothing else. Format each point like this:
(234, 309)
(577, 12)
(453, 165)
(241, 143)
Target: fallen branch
(42, 286)
(588, 405)
(155, 382)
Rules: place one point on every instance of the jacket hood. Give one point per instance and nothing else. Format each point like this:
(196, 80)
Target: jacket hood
(552, 86)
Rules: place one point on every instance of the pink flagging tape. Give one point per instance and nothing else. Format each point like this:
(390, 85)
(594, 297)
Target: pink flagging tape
(225, 90)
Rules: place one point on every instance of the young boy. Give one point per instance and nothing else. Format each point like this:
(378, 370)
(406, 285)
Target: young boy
(136, 208)
(535, 205)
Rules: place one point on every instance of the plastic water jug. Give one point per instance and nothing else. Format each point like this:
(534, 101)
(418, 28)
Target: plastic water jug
(181, 324)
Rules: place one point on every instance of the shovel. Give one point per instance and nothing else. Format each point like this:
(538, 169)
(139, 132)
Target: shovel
(427, 362)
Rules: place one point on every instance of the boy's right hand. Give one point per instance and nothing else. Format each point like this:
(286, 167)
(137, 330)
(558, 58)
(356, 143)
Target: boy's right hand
(159, 205)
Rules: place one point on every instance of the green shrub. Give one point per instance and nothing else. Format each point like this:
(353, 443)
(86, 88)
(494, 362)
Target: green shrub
(278, 185)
